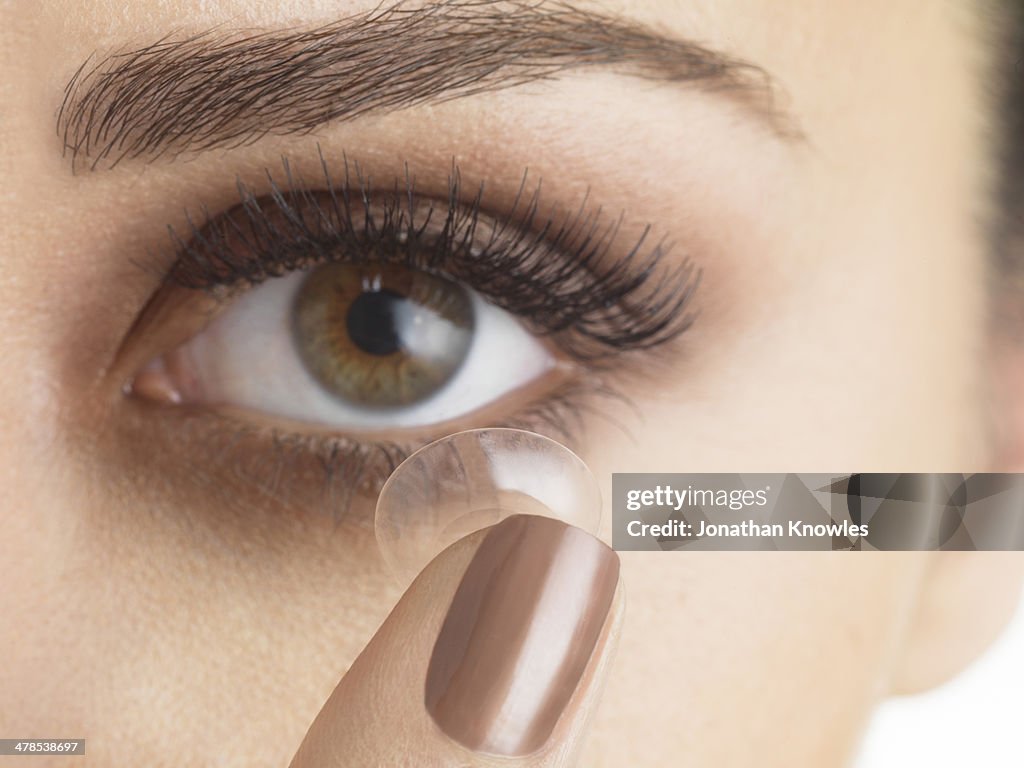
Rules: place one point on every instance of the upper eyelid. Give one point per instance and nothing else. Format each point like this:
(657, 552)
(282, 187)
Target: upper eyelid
(209, 91)
(604, 304)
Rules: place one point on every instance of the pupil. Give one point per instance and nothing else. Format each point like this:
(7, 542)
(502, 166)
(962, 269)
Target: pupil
(372, 322)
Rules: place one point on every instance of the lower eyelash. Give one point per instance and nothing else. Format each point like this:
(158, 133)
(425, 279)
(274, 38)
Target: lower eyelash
(339, 469)
(560, 277)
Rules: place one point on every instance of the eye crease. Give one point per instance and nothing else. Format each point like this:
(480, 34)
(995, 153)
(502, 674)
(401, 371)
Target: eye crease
(351, 310)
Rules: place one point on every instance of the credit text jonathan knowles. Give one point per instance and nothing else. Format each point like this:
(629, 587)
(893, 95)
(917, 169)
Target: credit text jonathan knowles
(735, 499)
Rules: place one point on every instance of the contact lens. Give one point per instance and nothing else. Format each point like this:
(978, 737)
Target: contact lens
(474, 479)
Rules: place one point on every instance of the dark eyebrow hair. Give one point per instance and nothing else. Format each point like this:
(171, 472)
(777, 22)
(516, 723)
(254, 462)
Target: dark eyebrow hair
(210, 90)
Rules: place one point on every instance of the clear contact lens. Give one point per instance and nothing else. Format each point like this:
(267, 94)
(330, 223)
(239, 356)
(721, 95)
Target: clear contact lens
(474, 479)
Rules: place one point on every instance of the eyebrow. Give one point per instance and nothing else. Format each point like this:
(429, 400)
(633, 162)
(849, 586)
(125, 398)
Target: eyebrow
(215, 91)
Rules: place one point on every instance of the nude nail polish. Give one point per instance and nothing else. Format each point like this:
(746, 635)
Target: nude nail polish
(519, 633)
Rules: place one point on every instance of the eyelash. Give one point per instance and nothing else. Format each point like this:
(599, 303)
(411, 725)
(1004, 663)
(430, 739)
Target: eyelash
(555, 275)
(559, 277)
(345, 468)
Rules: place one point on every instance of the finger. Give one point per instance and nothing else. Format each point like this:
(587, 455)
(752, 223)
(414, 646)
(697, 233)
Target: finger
(494, 656)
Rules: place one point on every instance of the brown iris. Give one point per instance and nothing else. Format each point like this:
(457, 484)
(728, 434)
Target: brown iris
(381, 335)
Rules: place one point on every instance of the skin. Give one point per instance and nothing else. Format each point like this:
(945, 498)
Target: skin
(175, 613)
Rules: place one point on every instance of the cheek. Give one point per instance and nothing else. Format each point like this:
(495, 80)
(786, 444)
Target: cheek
(232, 631)
(730, 649)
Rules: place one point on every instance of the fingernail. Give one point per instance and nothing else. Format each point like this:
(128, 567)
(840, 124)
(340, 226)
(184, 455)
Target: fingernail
(519, 633)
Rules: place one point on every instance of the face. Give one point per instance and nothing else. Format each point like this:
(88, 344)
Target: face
(192, 444)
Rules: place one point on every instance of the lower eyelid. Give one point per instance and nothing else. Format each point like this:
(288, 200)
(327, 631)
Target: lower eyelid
(249, 469)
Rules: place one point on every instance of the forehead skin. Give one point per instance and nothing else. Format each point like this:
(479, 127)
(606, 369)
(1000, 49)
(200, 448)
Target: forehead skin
(862, 271)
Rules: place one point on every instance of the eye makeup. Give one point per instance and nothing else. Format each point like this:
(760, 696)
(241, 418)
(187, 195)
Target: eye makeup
(569, 280)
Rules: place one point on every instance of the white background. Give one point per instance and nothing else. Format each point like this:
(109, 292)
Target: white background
(974, 721)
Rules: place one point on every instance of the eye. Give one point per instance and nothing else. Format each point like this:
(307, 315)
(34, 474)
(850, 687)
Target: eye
(355, 346)
(349, 314)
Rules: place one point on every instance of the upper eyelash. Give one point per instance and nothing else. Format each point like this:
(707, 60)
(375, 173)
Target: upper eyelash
(557, 275)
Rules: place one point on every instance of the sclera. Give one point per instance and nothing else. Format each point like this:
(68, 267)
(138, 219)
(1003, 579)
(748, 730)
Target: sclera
(471, 480)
